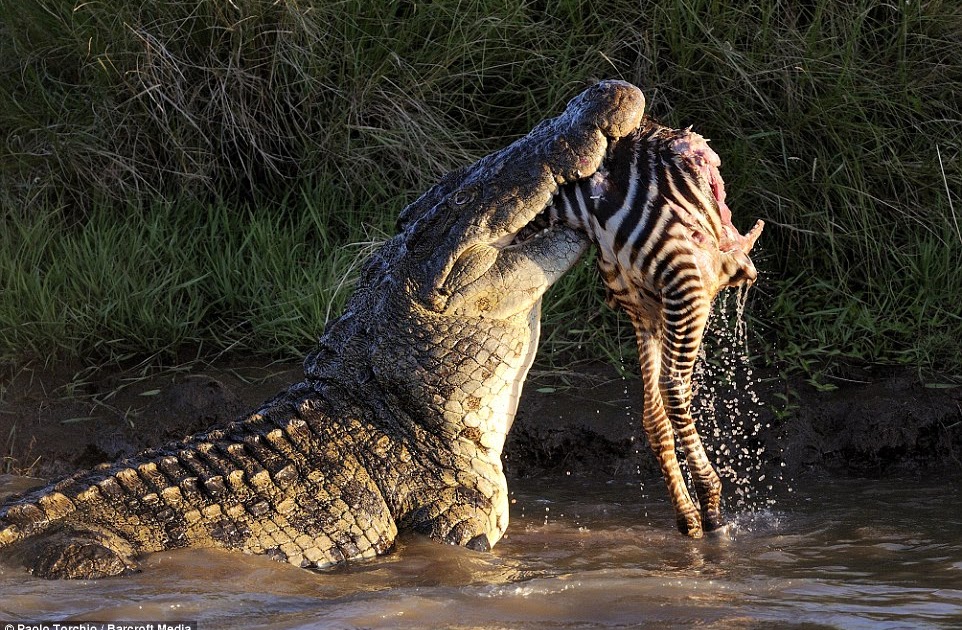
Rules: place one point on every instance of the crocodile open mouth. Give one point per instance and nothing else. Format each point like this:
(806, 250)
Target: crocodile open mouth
(537, 226)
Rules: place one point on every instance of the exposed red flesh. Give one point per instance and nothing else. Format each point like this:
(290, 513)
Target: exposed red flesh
(695, 149)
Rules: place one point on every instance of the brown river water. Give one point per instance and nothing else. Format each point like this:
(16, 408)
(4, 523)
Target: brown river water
(579, 553)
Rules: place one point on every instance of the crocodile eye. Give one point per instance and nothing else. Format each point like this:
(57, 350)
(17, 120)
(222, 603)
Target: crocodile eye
(427, 232)
(465, 195)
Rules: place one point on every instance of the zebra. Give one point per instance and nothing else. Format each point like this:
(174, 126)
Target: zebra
(657, 212)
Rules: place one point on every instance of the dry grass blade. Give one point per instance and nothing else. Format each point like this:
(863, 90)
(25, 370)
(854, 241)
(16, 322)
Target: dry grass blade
(181, 145)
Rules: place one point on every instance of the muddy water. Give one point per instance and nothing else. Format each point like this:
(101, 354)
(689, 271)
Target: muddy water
(581, 553)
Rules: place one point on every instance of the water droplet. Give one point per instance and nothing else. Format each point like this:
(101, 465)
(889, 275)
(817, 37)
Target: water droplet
(726, 403)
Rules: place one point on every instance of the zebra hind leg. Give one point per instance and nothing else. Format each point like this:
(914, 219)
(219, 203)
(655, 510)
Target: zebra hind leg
(683, 335)
(660, 435)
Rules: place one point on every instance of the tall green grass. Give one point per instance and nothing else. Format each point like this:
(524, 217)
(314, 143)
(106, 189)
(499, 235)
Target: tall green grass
(138, 137)
(179, 276)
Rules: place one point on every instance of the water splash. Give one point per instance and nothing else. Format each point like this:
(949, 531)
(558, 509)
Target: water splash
(728, 410)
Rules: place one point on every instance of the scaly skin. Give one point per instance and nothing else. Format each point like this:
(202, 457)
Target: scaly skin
(407, 400)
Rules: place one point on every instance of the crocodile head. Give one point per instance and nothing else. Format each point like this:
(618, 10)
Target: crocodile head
(443, 325)
(463, 226)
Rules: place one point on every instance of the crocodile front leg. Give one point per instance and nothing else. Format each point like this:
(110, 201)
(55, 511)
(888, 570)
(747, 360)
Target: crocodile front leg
(460, 516)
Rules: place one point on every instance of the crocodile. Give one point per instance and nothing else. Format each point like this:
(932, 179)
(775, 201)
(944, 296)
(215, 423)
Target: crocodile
(406, 400)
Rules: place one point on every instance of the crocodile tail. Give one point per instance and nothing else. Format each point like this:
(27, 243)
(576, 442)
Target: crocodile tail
(111, 484)
(43, 508)
(35, 513)
(40, 509)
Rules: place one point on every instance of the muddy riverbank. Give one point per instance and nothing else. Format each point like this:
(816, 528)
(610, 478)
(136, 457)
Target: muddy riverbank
(54, 421)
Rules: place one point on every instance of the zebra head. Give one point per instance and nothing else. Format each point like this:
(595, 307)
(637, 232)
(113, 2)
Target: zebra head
(692, 154)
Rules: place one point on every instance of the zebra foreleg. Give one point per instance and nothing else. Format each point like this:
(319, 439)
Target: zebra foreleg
(661, 437)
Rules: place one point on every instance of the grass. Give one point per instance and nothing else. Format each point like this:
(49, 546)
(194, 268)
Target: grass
(178, 276)
(181, 173)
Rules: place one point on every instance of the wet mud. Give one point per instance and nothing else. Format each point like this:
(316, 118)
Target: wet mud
(582, 421)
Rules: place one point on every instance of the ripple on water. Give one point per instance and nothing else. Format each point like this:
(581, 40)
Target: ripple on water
(603, 559)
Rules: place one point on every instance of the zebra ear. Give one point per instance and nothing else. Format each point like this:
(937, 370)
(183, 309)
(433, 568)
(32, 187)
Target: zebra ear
(753, 235)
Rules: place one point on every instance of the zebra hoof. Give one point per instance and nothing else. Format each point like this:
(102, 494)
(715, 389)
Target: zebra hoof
(722, 532)
(690, 525)
(713, 520)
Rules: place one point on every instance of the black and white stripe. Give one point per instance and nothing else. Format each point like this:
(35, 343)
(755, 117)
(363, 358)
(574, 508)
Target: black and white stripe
(658, 225)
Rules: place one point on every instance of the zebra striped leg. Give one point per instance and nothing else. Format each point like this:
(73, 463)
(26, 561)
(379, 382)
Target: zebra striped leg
(685, 321)
(660, 434)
